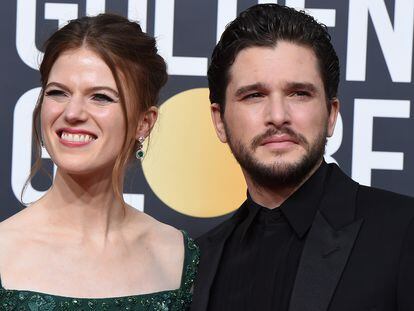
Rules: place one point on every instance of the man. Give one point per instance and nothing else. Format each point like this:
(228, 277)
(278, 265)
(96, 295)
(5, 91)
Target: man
(307, 238)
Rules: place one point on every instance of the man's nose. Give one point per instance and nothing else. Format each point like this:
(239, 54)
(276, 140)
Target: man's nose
(277, 111)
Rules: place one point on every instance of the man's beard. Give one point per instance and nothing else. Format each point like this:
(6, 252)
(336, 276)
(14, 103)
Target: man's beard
(278, 174)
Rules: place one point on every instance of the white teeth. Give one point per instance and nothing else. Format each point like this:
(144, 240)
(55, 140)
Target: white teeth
(76, 137)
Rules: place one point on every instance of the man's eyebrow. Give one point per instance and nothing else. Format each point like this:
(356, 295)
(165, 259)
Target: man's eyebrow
(310, 87)
(251, 87)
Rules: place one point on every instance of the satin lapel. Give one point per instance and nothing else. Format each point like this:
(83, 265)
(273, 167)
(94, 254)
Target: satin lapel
(323, 259)
(328, 245)
(210, 256)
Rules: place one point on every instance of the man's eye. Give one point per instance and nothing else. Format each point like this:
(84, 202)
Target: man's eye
(300, 93)
(55, 93)
(102, 98)
(253, 95)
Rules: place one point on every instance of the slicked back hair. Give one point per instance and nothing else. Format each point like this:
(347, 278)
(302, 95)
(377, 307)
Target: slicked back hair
(263, 25)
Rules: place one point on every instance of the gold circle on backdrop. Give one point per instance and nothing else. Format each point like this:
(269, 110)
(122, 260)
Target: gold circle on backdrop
(186, 165)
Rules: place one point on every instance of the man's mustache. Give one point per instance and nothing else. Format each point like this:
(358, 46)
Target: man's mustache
(257, 141)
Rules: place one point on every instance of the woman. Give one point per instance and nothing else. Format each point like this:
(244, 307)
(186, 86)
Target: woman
(81, 246)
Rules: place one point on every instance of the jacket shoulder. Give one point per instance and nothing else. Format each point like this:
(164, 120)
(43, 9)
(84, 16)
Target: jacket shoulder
(218, 231)
(385, 208)
(384, 198)
(367, 197)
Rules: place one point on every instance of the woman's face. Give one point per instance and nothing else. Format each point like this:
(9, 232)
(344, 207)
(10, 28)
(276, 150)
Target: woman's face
(83, 126)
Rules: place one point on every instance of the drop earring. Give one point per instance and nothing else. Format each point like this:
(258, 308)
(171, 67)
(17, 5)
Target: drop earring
(139, 154)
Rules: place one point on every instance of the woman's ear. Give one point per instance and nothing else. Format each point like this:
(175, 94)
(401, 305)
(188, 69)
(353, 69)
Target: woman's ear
(146, 122)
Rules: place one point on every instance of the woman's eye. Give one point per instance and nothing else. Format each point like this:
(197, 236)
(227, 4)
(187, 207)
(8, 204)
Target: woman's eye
(102, 98)
(55, 93)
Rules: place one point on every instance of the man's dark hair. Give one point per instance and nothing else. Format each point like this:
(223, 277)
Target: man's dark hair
(263, 25)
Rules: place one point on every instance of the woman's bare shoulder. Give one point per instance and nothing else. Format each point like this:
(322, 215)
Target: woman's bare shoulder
(165, 243)
(158, 234)
(15, 224)
(15, 232)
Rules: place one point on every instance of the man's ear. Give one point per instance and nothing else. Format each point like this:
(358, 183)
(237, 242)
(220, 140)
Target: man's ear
(146, 122)
(333, 115)
(218, 122)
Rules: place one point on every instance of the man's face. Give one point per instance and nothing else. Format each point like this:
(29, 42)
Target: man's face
(276, 119)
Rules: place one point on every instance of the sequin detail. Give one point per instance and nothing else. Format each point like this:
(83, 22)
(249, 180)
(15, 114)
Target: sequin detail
(172, 300)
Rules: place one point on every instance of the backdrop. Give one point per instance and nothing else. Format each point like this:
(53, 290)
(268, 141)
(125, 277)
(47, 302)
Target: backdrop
(189, 179)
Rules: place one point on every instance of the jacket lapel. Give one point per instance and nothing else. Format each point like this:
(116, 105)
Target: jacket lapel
(211, 247)
(328, 245)
(323, 259)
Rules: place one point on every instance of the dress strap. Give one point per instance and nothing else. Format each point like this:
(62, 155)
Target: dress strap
(191, 260)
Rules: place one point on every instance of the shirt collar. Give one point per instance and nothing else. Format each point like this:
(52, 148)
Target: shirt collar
(252, 209)
(300, 208)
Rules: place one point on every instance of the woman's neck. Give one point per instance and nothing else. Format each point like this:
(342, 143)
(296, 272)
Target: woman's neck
(85, 204)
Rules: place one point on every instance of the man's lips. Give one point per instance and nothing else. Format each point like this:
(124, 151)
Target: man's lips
(279, 139)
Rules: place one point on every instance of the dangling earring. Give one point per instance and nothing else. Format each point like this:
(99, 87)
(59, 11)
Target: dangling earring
(139, 154)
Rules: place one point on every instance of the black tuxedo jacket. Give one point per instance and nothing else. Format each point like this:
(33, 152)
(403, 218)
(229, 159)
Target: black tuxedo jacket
(358, 253)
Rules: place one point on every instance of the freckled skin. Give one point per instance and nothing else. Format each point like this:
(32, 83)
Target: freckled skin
(79, 234)
(83, 95)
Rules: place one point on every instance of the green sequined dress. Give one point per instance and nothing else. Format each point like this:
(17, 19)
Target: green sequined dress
(170, 300)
